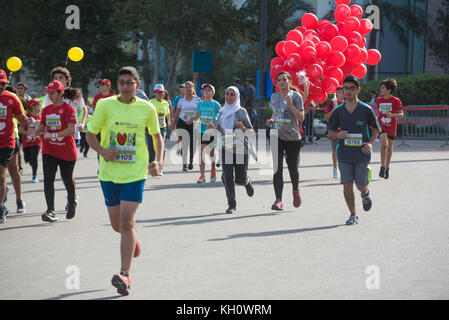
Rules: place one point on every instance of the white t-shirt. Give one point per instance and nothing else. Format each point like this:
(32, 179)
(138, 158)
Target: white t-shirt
(78, 105)
(188, 108)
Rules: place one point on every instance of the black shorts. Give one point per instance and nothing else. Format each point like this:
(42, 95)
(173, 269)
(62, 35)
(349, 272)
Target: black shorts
(16, 148)
(206, 138)
(6, 156)
(389, 137)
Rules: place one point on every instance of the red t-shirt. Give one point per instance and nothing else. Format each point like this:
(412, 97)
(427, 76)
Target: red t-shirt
(329, 107)
(28, 141)
(394, 105)
(9, 106)
(57, 119)
(100, 96)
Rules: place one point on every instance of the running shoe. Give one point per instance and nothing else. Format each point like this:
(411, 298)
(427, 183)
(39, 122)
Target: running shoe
(190, 167)
(71, 211)
(277, 205)
(122, 283)
(184, 167)
(230, 210)
(137, 249)
(213, 177)
(160, 174)
(249, 189)
(335, 175)
(49, 216)
(202, 179)
(297, 200)
(382, 172)
(3, 213)
(367, 203)
(21, 206)
(34, 180)
(387, 173)
(20, 170)
(353, 219)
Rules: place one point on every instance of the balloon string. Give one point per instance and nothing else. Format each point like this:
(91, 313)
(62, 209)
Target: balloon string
(66, 60)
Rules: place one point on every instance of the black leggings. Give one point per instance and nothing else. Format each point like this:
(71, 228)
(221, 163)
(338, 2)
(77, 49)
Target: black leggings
(291, 151)
(50, 166)
(234, 163)
(189, 128)
(83, 143)
(30, 155)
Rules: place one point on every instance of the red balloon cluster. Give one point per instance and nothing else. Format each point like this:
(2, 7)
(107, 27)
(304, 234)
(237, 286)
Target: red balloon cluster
(326, 52)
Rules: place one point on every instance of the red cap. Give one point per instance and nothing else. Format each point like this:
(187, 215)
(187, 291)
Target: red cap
(32, 102)
(105, 81)
(55, 86)
(3, 76)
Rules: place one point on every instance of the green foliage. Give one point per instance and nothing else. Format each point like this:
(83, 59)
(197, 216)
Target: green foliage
(439, 37)
(422, 89)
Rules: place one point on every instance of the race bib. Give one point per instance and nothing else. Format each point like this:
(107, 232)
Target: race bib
(229, 141)
(385, 107)
(53, 121)
(3, 111)
(126, 154)
(188, 115)
(354, 140)
(162, 120)
(280, 121)
(205, 120)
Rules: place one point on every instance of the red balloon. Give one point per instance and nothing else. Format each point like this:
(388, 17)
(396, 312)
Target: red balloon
(352, 54)
(374, 57)
(339, 2)
(356, 11)
(309, 34)
(323, 49)
(330, 30)
(314, 71)
(294, 62)
(321, 98)
(316, 40)
(347, 68)
(290, 47)
(336, 59)
(342, 12)
(351, 24)
(277, 61)
(315, 87)
(280, 48)
(355, 38)
(310, 21)
(321, 25)
(341, 27)
(360, 71)
(306, 43)
(295, 35)
(323, 65)
(339, 43)
(330, 85)
(363, 55)
(363, 44)
(334, 72)
(301, 29)
(365, 26)
(309, 54)
(274, 72)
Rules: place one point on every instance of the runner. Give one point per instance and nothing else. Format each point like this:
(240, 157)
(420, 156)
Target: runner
(355, 144)
(234, 153)
(122, 121)
(163, 110)
(32, 145)
(288, 110)
(21, 91)
(390, 109)
(338, 99)
(105, 91)
(207, 111)
(182, 92)
(84, 146)
(10, 107)
(184, 117)
(59, 149)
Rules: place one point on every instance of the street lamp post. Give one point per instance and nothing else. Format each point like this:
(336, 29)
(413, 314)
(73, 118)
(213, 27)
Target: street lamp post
(262, 58)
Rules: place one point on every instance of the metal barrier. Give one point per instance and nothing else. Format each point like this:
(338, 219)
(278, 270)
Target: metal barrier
(424, 123)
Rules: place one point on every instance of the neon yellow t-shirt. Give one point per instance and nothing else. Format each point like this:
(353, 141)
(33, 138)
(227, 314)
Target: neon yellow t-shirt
(162, 109)
(122, 127)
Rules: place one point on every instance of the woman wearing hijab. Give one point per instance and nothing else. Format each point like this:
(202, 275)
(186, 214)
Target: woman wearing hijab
(234, 156)
(288, 112)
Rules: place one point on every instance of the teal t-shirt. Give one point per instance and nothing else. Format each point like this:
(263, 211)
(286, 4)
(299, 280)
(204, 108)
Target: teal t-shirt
(208, 113)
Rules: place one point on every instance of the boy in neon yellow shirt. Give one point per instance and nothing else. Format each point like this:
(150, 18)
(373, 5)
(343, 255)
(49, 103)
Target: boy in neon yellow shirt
(122, 121)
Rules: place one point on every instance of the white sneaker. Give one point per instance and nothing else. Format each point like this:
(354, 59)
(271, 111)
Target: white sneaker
(160, 174)
(335, 175)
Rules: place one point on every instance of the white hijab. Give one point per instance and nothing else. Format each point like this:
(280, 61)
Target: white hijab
(228, 111)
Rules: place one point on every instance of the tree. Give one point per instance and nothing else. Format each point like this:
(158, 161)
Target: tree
(439, 37)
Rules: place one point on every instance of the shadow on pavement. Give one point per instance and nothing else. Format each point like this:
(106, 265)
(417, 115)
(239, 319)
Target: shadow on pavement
(66, 295)
(275, 233)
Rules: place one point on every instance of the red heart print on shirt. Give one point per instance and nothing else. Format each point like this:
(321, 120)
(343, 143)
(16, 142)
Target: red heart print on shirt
(121, 138)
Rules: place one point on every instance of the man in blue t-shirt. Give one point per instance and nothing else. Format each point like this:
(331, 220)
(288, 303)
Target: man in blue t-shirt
(207, 112)
(359, 130)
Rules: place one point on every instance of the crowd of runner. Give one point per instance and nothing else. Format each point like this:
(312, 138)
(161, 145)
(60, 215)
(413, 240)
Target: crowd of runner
(129, 132)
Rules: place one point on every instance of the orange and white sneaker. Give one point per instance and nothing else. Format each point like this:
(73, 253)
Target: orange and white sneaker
(213, 176)
(137, 249)
(202, 179)
(122, 283)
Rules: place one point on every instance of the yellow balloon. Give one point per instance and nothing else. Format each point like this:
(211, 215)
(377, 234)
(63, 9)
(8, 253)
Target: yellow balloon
(76, 54)
(14, 64)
